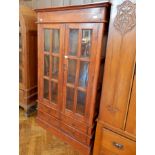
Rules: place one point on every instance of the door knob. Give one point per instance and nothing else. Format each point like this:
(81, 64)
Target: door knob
(66, 57)
(117, 145)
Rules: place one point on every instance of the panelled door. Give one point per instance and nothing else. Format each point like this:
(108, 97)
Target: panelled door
(50, 58)
(79, 62)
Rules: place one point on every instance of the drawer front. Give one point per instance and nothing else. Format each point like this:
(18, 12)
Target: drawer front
(48, 110)
(81, 137)
(48, 119)
(105, 151)
(76, 124)
(115, 144)
(67, 120)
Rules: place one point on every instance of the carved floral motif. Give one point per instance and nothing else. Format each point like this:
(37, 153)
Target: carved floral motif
(126, 17)
(112, 108)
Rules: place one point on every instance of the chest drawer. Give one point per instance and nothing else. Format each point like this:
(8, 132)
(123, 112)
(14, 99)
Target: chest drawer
(76, 124)
(47, 109)
(114, 144)
(81, 137)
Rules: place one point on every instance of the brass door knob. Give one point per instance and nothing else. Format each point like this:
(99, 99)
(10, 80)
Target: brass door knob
(119, 146)
(66, 57)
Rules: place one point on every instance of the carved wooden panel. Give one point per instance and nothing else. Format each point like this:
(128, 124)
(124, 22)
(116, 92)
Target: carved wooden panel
(119, 65)
(125, 19)
(117, 84)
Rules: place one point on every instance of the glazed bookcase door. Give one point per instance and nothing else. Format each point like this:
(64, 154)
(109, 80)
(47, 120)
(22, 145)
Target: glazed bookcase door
(78, 68)
(50, 57)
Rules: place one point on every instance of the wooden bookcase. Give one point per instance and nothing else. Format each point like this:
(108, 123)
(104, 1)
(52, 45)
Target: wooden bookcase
(71, 53)
(27, 59)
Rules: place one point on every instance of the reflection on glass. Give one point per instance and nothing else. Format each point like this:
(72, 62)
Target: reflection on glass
(86, 43)
(55, 40)
(73, 42)
(83, 78)
(54, 92)
(55, 67)
(71, 71)
(69, 98)
(46, 40)
(46, 65)
(81, 99)
(46, 89)
(20, 76)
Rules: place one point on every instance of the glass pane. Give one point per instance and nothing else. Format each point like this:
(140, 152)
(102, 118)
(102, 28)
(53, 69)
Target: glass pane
(46, 89)
(70, 98)
(73, 42)
(54, 92)
(86, 43)
(46, 65)
(71, 71)
(46, 40)
(81, 99)
(55, 67)
(83, 78)
(20, 76)
(55, 41)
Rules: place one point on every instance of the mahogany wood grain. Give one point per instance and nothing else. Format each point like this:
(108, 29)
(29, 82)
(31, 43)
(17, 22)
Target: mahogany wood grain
(118, 75)
(104, 143)
(117, 144)
(85, 15)
(131, 118)
(105, 151)
(28, 59)
(75, 128)
(117, 100)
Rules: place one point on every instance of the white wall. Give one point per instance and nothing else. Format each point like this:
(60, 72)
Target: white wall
(49, 3)
(87, 1)
(57, 2)
(66, 2)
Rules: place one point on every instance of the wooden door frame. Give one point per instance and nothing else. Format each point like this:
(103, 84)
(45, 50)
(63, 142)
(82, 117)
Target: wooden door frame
(41, 53)
(92, 59)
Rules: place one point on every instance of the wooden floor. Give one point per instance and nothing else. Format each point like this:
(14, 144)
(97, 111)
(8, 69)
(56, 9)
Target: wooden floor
(34, 140)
